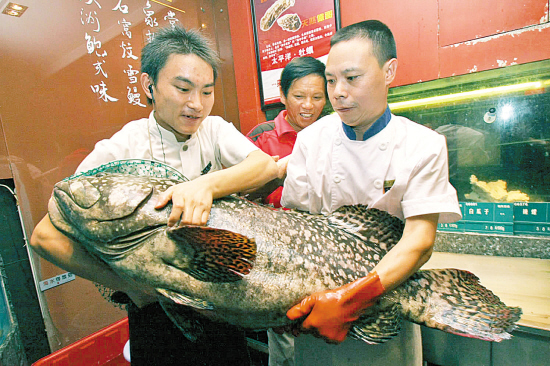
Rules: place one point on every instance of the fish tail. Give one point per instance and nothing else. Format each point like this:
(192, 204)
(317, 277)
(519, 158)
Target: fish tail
(454, 301)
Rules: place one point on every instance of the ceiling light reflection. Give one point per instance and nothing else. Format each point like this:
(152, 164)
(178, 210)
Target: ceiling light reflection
(485, 92)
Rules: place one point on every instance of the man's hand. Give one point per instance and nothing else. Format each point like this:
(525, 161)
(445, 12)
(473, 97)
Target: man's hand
(331, 313)
(191, 202)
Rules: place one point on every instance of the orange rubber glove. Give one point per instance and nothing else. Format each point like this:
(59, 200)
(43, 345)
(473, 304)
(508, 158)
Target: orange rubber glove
(332, 312)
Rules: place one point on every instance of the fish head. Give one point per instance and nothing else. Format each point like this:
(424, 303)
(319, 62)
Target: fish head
(107, 206)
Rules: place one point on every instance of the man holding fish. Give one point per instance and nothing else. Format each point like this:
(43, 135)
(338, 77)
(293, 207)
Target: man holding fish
(366, 155)
(179, 69)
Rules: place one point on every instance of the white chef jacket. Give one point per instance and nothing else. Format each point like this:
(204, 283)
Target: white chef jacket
(402, 169)
(216, 144)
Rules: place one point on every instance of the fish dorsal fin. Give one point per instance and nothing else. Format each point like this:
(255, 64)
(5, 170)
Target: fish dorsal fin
(220, 255)
(183, 299)
(369, 224)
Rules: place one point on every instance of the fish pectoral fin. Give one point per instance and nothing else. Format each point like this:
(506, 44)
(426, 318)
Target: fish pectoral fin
(220, 255)
(186, 300)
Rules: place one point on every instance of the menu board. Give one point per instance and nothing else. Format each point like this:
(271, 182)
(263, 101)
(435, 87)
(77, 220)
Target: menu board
(285, 29)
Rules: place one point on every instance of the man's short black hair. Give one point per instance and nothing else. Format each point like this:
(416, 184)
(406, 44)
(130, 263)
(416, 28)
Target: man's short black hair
(176, 40)
(300, 67)
(380, 35)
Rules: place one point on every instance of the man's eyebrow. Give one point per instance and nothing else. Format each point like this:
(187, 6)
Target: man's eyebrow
(349, 69)
(345, 71)
(186, 80)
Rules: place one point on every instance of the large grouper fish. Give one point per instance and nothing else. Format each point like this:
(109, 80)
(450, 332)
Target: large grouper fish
(252, 263)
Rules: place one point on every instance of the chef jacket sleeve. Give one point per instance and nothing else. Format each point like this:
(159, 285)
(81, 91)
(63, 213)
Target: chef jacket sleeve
(233, 146)
(429, 190)
(115, 148)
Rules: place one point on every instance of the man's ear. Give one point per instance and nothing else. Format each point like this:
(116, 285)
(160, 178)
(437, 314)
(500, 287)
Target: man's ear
(390, 69)
(145, 83)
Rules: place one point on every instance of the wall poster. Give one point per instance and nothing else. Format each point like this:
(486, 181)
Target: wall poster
(285, 29)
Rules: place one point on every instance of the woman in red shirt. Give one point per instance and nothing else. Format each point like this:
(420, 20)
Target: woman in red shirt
(303, 92)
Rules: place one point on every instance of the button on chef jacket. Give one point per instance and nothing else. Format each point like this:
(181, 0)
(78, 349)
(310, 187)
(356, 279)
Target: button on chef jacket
(398, 166)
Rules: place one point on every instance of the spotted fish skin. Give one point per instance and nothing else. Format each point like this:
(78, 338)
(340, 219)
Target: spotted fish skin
(252, 263)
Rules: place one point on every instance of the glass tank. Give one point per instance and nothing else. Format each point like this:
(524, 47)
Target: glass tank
(6, 319)
(497, 126)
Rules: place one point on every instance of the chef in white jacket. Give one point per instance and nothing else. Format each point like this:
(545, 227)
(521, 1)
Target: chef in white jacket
(364, 154)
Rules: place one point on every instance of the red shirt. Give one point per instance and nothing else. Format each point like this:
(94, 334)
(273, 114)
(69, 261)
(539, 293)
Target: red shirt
(275, 137)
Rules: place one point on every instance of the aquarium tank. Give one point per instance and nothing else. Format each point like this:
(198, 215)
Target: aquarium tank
(497, 126)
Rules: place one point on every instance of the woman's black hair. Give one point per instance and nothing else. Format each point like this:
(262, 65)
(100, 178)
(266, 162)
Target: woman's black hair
(300, 67)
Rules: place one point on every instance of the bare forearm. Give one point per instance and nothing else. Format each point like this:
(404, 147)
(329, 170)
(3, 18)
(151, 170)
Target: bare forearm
(253, 172)
(413, 250)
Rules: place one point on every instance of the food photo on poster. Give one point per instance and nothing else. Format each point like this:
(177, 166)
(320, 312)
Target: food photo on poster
(286, 29)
